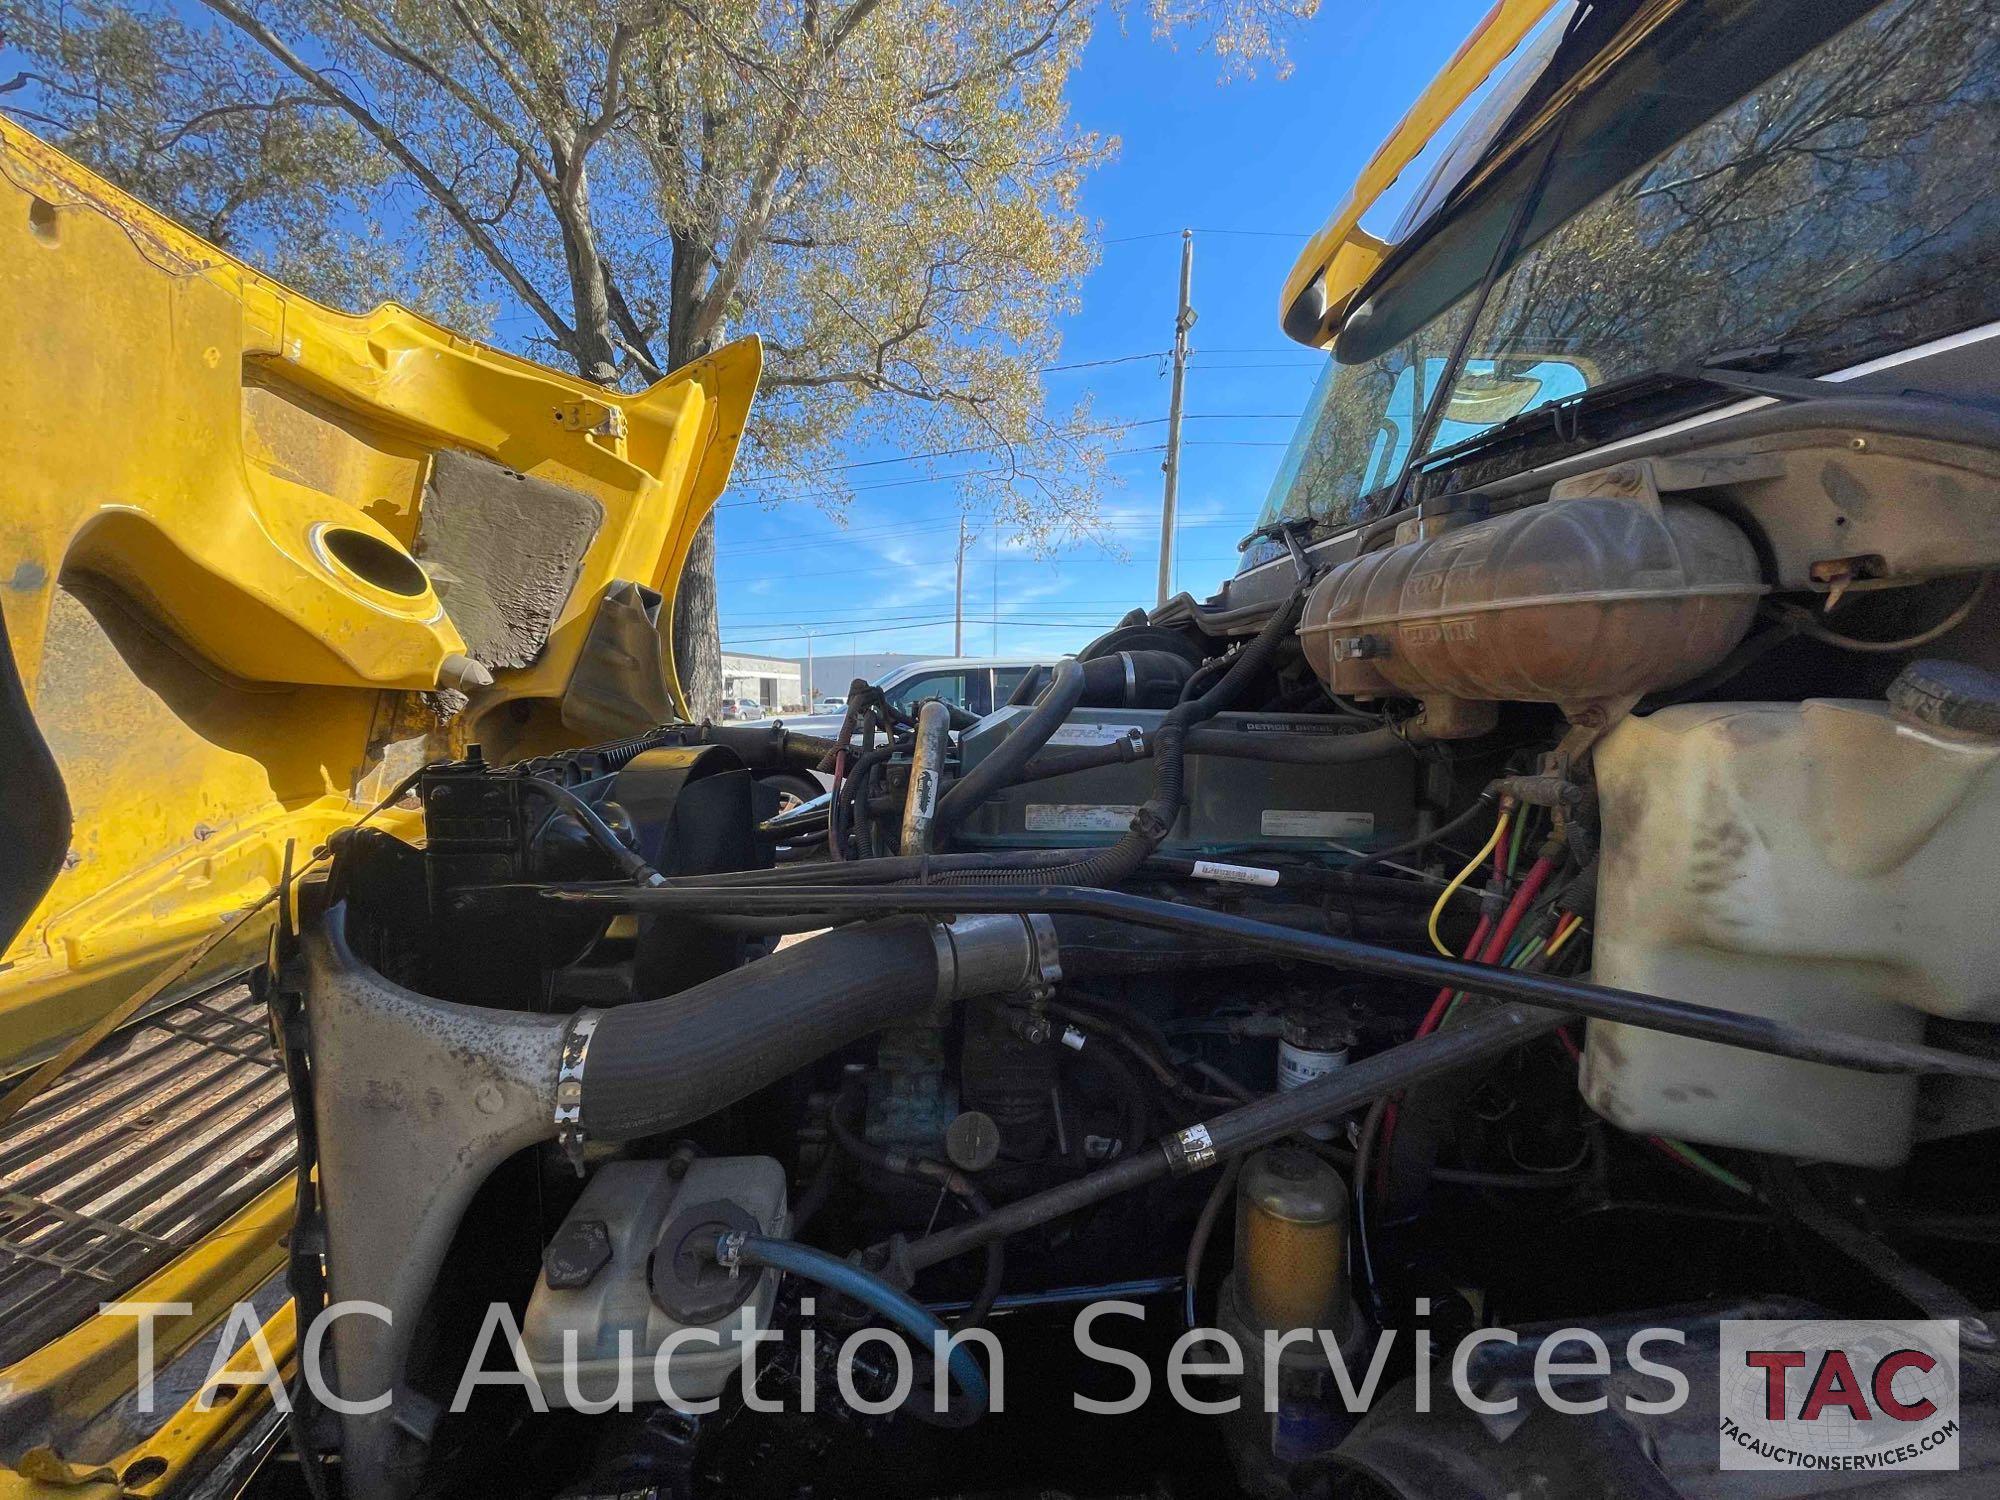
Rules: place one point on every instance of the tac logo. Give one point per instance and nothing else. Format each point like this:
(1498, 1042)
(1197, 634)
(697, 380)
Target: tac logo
(1839, 1395)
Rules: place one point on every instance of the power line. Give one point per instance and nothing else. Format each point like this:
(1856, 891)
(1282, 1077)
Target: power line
(869, 535)
(764, 618)
(903, 458)
(1094, 364)
(1251, 234)
(1093, 623)
(823, 625)
(918, 565)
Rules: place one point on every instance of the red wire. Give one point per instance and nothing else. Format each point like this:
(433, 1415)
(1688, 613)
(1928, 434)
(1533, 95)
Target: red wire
(1531, 887)
(1494, 940)
(1434, 1017)
(839, 771)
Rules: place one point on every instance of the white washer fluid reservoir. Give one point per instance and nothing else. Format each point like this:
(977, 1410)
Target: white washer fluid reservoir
(1822, 862)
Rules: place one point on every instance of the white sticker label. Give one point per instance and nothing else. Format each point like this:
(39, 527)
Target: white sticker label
(1079, 732)
(1301, 823)
(1077, 817)
(1297, 1066)
(1209, 869)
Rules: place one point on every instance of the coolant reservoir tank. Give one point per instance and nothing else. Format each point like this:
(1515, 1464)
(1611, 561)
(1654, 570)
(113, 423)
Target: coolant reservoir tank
(1573, 602)
(1824, 862)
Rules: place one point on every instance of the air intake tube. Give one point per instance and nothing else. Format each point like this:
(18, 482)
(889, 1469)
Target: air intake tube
(667, 1063)
(417, 1100)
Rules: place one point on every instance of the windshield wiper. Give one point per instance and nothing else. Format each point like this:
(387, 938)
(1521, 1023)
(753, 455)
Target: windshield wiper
(1729, 370)
(1295, 532)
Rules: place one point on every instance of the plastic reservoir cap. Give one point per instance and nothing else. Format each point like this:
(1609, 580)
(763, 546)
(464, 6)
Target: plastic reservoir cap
(687, 1282)
(1953, 696)
(972, 1141)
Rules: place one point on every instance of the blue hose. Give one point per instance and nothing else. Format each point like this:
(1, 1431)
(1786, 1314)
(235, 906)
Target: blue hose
(871, 1291)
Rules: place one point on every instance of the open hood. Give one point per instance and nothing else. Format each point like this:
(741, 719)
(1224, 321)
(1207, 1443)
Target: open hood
(259, 558)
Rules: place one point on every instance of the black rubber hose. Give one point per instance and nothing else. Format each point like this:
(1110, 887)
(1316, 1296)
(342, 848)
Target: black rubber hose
(1026, 689)
(1199, 680)
(1131, 1097)
(1106, 1027)
(1482, 805)
(1135, 679)
(628, 861)
(859, 820)
(765, 746)
(1121, 751)
(1055, 705)
(666, 1063)
(1156, 818)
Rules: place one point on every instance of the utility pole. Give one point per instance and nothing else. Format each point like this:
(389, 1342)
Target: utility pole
(958, 608)
(1183, 322)
(810, 700)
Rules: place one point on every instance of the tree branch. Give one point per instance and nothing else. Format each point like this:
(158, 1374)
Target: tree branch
(1006, 64)
(418, 168)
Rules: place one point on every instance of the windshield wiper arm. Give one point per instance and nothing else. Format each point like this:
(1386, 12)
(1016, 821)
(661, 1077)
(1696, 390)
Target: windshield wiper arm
(1728, 370)
(1294, 532)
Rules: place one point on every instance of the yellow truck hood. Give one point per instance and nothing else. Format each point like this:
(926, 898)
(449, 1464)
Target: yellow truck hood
(258, 558)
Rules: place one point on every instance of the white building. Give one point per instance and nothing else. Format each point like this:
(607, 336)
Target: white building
(769, 681)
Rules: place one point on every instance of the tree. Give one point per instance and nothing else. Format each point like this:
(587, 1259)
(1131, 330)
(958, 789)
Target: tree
(886, 190)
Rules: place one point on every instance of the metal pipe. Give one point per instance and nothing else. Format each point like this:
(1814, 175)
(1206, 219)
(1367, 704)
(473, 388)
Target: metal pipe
(1600, 1002)
(926, 771)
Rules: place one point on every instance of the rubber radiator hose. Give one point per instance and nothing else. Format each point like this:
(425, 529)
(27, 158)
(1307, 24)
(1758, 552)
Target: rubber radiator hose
(661, 1064)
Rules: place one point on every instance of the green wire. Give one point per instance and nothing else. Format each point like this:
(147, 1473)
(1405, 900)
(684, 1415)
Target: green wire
(1708, 1168)
(1517, 958)
(1514, 849)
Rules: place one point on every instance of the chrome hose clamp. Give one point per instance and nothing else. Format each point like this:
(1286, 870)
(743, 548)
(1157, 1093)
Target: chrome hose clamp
(1195, 1148)
(569, 1085)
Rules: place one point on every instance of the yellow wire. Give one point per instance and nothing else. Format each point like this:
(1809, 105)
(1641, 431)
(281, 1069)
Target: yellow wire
(1572, 924)
(1499, 832)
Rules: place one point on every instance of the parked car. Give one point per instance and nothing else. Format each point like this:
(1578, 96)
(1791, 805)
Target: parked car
(977, 684)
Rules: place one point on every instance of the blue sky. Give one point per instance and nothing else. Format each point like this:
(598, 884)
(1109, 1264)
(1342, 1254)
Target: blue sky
(1252, 167)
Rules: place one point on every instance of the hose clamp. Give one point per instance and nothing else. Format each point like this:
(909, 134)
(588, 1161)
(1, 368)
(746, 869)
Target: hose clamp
(995, 953)
(569, 1084)
(947, 964)
(1194, 1149)
(729, 1251)
(1047, 955)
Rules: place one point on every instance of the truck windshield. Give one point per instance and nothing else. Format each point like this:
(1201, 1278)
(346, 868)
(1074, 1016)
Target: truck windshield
(1839, 210)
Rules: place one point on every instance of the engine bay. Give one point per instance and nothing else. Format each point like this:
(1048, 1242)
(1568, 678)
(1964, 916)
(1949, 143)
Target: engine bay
(1504, 932)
